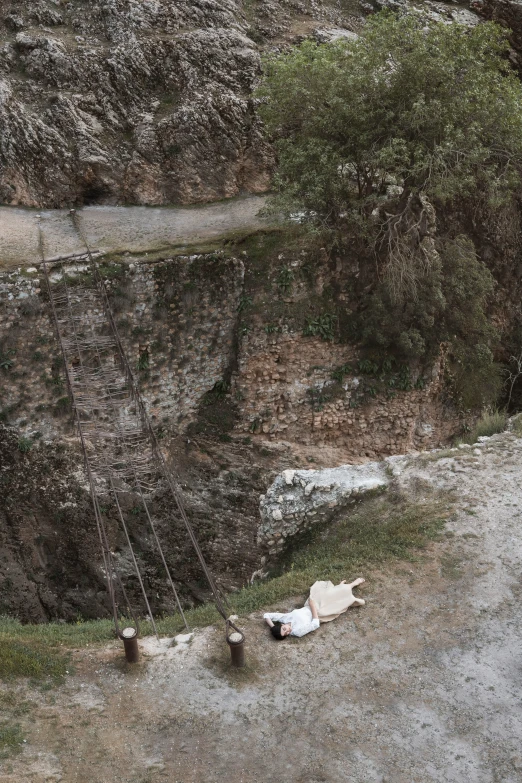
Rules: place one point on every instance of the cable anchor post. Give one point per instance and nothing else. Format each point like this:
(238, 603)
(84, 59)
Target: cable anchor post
(129, 637)
(236, 643)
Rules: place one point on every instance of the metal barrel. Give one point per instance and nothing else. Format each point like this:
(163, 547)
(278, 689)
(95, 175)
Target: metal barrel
(237, 648)
(129, 637)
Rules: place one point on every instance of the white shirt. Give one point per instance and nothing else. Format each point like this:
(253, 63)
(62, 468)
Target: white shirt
(301, 620)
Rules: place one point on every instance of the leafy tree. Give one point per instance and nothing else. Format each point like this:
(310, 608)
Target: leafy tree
(424, 110)
(375, 138)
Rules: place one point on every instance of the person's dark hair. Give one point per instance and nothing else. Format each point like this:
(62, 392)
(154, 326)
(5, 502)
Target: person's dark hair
(275, 630)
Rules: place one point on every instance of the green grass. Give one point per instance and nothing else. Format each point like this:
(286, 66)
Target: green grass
(25, 445)
(13, 705)
(31, 658)
(11, 739)
(379, 530)
(488, 424)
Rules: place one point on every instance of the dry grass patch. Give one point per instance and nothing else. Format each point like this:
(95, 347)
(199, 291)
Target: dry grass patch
(489, 424)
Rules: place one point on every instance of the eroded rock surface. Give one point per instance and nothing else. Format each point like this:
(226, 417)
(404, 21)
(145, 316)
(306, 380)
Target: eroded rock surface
(106, 101)
(143, 102)
(50, 559)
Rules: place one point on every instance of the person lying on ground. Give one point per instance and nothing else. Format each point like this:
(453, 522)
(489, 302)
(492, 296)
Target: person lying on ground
(326, 602)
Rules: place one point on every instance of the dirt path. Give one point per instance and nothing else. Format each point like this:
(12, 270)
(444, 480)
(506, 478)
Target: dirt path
(133, 229)
(420, 685)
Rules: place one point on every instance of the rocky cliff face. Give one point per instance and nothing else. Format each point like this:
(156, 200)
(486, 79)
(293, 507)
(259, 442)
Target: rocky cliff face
(106, 101)
(150, 102)
(236, 393)
(141, 102)
(50, 559)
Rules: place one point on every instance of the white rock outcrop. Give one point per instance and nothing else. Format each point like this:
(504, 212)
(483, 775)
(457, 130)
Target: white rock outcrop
(316, 495)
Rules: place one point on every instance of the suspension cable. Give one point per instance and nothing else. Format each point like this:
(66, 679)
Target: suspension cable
(106, 553)
(219, 599)
(149, 518)
(135, 563)
(122, 519)
(103, 535)
(162, 555)
(108, 558)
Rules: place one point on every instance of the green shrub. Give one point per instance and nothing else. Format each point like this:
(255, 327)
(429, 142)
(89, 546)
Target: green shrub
(63, 404)
(11, 739)
(488, 424)
(450, 308)
(244, 303)
(285, 279)
(6, 361)
(271, 329)
(323, 326)
(143, 362)
(429, 108)
(220, 389)
(25, 445)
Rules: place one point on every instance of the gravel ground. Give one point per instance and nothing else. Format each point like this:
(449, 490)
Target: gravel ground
(422, 684)
(117, 229)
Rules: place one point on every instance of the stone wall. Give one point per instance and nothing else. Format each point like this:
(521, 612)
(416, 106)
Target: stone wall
(300, 499)
(234, 406)
(288, 393)
(179, 320)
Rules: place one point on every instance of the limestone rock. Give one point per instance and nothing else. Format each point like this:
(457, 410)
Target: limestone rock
(146, 102)
(334, 34)
(138, 101)
(318, 494)
(183, 638)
